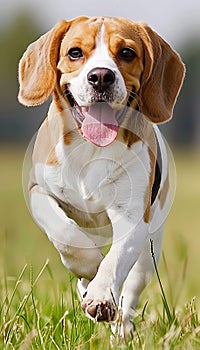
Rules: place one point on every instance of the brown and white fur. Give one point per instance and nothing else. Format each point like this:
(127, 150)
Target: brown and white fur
(87, 188)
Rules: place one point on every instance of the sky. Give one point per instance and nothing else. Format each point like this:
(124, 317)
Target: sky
(174, 20)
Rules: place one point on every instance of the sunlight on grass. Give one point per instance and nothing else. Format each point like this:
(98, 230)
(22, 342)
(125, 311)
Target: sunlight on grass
(29, 319)
(39, 308)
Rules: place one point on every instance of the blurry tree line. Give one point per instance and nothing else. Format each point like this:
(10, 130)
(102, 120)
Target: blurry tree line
(18, 123)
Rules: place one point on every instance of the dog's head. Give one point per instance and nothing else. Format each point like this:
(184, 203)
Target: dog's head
(111, 60)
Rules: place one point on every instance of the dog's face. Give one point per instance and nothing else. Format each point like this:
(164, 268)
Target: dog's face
(103, 65)
(99, 66)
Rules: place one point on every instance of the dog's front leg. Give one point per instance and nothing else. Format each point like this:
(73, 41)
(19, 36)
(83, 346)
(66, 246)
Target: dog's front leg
(101, 300)
(78, 253)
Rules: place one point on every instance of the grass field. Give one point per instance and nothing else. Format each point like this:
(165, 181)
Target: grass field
(39, 308)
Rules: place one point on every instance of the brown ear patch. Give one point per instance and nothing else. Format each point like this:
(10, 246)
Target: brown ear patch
(162, 77)
(37, 67)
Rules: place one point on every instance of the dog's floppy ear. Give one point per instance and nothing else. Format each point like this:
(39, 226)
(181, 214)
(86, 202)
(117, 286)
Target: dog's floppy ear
(37, 67)
(162, 77)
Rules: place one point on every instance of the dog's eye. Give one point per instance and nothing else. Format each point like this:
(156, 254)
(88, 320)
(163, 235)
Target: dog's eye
(75, 53)
(127, 54)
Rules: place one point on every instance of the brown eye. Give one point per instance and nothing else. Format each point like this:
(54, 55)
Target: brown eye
(127, 54)
(75, 53)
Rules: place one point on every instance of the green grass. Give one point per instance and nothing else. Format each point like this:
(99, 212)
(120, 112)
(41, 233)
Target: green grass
(39, 308)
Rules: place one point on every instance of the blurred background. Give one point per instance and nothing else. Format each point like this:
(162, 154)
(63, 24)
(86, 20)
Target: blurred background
(22, 22)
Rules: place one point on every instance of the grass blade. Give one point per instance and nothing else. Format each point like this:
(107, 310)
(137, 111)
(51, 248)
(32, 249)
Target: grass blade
(166, 307)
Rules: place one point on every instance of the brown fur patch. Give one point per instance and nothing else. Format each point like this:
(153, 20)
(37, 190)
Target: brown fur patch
(162, 76)
(130, 138)
(60, 106)
(133, 128)
(44, 150)
(147, 198)
(57, 101)
(68, 138)
(37, 67)
(163, 193)
(52, 158)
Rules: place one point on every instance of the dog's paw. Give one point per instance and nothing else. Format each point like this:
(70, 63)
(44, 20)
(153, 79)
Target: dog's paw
(98, 310)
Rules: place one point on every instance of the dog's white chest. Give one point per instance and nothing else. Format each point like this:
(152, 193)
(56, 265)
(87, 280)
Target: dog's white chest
(90, 178)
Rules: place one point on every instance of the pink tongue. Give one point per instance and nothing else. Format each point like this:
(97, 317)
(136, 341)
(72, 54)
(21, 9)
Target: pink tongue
(100, 125)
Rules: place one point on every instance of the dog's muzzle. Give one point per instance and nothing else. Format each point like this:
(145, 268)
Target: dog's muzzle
(99, 122)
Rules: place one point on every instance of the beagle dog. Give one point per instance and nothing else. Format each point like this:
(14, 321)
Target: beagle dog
(100, 174)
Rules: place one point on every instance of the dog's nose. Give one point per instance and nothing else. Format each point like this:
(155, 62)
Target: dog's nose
(101, 78)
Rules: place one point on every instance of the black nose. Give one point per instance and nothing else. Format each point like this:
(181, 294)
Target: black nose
(101, 78)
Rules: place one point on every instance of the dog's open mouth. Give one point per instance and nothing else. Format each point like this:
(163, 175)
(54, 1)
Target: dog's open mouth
(99, 122)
